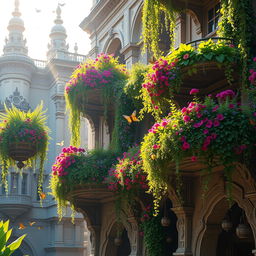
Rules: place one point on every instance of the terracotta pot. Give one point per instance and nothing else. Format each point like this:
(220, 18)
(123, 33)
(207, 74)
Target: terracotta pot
(117, 241)
(165, 222)
(243, 231)
(21, 151)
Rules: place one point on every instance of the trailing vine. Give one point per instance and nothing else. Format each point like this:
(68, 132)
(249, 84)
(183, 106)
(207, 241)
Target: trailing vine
(152, 25)
(237, 22)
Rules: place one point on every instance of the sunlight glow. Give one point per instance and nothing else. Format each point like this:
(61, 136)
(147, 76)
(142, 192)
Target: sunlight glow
(39, 16)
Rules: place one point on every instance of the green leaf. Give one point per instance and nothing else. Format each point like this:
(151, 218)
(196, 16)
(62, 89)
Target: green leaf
(220, 58)
(16, 244)
(208, 56)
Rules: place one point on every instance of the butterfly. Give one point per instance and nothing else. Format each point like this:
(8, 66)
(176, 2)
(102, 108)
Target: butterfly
(131, 118)
(31, 223)
(22, 226)
(60, 143)
(42, 195)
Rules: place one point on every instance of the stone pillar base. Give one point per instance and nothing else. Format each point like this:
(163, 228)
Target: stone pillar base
(254, 252)
(182, 254)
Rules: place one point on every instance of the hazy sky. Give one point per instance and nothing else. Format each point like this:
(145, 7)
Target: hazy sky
(38, 24)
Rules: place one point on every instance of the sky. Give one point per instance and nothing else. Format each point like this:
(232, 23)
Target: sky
(38, 24)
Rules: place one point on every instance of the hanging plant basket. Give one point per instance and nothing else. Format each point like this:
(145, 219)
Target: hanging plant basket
(23, 138)
(21, 151)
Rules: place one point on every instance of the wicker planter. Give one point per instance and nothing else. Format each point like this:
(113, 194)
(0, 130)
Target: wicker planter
(208, 73)
(21, 151)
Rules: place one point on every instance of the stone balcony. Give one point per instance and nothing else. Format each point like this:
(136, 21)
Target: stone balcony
(14, 205)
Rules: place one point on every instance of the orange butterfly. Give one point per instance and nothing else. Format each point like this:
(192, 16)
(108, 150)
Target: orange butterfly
(31, 223)
(131, 118)
(42, 195)
(22, 226)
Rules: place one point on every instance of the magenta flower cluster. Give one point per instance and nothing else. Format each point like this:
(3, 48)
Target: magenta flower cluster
(160, 80)
(201, 124)
(65, 159)
(94, 73)
(252, 77)
(128, 174)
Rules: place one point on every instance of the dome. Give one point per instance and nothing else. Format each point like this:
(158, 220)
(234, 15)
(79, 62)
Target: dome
(16, 21)
(58, 28)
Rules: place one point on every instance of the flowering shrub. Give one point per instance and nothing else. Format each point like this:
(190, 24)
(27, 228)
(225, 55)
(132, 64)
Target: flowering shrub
(75, 166)
(215, 129)
(21, 127)
(252, 77)
(128, 175)
(165, 77)
(102, 73)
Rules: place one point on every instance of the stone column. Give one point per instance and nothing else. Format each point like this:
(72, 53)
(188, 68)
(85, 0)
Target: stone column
(60, 120)
(134, 237)
(184, 227)
(131, 54)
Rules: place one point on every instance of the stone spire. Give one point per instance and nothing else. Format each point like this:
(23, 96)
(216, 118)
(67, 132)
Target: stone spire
(15, 43)
(57, 36)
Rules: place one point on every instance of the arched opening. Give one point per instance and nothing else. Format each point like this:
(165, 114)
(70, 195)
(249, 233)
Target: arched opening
(87, 133)
(118, 241)
(115, 47)
(219, 242)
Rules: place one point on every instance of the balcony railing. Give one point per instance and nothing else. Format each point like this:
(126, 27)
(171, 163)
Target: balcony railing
(226, 41)
(40, 63)
(63, 55)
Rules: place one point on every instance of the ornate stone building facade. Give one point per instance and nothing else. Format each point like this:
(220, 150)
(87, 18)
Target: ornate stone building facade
(24, 83)
(115, 27)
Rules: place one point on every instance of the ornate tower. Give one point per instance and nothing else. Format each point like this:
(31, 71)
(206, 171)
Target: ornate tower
(15, 43)
(16, 67)
(58, 36)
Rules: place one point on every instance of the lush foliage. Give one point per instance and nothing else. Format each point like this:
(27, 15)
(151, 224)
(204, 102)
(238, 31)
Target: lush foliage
(165, 76)
(157, 15)
(237, 22)
(5, 233)
(23, 127)
(74, 167)
(153, 232)
(216, 131)
(133, 86)
(127, 176)
(103, 73)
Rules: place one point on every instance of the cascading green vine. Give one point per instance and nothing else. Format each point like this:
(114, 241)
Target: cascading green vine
(237, 22)
(152, 25)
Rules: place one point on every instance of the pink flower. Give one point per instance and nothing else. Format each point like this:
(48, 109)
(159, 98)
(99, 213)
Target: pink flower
(216, 123)
(220, 117)
(254, 59)
(205, 131)
(209, 124)
(155, 146)
(156, 107)
(193, 91)
(213, 136)
(185, 146)
(215, 108)
(193, 158)
(185, 56)
(186, 118)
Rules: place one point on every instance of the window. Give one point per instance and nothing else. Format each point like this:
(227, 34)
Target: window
(14, 183)
(24, 184)
(213, 18)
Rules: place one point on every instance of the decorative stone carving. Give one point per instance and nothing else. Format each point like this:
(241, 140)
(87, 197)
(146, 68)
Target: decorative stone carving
(17, 100)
